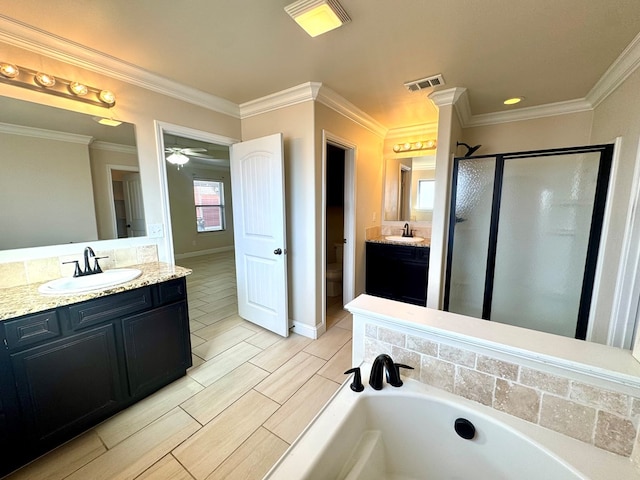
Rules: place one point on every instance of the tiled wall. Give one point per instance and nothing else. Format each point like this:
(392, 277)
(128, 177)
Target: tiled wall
(604, 418)
(14, 274)
(418, 231)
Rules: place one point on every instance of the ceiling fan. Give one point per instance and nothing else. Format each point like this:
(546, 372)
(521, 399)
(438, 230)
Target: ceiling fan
(180, 155)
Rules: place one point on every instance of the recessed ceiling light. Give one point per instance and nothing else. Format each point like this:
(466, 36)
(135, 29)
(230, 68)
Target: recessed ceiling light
(513, 100)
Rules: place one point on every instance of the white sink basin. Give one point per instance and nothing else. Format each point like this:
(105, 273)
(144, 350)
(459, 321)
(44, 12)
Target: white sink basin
(398, 238)
(98, 281)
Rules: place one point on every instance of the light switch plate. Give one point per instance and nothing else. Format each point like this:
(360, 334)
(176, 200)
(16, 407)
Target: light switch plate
(155, 230)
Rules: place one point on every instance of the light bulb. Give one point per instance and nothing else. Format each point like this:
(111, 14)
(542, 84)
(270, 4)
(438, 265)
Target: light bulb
(78, 89)
(107, 97)
(8, 70)
(396, 148)
(45, 80)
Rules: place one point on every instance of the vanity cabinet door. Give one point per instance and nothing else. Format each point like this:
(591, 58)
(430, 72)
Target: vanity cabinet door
(157, 347)
(67, 385)
(397, 272)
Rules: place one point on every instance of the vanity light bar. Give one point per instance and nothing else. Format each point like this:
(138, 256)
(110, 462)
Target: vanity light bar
(43, 82)
(411, 146)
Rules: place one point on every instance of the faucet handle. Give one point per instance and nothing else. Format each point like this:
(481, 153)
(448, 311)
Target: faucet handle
(77, 272)
(96, 265)
(398, 366)
(356, 385)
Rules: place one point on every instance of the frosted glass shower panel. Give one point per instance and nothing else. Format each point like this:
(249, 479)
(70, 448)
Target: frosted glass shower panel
(475, 180)
(543, 232)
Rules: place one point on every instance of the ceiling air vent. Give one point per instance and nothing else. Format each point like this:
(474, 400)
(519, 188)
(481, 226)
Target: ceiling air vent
(429, 82)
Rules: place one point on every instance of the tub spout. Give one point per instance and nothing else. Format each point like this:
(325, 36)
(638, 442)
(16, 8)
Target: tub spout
(382, 363)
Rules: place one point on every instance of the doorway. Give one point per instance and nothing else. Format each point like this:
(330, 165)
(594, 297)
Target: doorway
(167, 136)
(338, 225)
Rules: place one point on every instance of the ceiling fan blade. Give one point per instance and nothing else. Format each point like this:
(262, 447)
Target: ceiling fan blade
(192, 151)
(199, 155)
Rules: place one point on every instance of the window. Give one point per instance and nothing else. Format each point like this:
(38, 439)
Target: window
(426, 192)
(209, 202)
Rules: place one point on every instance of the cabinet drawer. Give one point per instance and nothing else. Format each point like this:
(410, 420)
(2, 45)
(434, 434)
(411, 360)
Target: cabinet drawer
(32, 329)
(172, 291)
(108, 308)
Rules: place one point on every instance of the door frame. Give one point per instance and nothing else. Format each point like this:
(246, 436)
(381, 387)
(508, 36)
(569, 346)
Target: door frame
(161, 128)
(349, 227)
(112, 207)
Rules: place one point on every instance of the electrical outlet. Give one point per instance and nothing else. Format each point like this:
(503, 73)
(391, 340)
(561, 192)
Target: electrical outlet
(373, 217)
(155, 230)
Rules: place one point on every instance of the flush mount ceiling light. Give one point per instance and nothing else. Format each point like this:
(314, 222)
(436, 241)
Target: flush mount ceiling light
(412, 146)
(12, 74)
(110, 122)
(513, 100)
(317, 16)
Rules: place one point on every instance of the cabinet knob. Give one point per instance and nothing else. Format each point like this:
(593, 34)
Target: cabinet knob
(277, 251)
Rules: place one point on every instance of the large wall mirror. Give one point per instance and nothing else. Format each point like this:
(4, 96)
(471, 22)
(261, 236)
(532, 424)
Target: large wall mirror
(409, 189)
(65, 178)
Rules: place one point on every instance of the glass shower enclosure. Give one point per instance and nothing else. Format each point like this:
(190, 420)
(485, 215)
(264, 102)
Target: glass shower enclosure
(524, 233)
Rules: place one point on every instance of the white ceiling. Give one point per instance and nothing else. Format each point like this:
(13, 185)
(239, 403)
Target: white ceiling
(545, 50)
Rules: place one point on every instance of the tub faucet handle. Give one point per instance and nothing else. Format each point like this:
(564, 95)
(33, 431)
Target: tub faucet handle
(398, 367)
(356, 385)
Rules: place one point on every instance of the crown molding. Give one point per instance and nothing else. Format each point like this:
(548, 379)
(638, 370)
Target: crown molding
(44, 134)
(312, 91)
(424, 129)
(624, 65)
(467, 119)
(44, 43)
(341, 105)
(284, 98)
(114, 147)
(450, 96)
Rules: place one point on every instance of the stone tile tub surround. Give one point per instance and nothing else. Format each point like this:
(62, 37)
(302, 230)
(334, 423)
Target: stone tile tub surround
(579, 401)
(13, 274)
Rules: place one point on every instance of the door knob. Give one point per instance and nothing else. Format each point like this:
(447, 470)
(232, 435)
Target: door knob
(277, 251)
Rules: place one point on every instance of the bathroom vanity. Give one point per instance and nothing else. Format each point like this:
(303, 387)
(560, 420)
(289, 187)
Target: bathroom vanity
(397, 271)
(66, 368)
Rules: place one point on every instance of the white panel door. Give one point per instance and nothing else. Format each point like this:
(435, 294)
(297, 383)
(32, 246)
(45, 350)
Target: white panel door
(133, 206)
(257, 180)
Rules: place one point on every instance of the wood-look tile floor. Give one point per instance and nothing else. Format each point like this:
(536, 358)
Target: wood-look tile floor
(246, 398)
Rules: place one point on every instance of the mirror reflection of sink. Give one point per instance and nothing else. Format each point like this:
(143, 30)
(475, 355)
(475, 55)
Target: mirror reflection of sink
(89, 283)
(398, 238)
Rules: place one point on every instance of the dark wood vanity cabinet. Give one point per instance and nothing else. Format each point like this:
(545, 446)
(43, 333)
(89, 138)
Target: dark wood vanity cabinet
(65, 370)
(397, 272)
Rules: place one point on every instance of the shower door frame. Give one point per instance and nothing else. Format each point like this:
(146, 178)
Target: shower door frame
(595, 231)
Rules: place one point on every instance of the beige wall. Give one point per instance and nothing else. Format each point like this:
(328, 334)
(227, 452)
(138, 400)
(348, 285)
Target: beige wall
(67, 215)
(186, 239)
(135, 105)
(100, 159)
(368, 188)
(617, 116)
(296, 125)
(568, 130)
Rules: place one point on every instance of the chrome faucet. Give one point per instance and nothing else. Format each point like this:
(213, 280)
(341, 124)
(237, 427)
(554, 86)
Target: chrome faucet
(380, 364)
(406, 232)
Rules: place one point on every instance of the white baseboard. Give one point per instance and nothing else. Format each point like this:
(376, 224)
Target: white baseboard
(309, 331)
(178, 256)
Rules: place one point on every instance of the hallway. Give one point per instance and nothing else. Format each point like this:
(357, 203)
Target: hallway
(245, 400)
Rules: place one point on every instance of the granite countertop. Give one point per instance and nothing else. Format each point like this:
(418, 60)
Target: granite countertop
(25, 299)
(426, 243)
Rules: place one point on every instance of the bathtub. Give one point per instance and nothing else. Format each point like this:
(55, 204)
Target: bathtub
(408, 433)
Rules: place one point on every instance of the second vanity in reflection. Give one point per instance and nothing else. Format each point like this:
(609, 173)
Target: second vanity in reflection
(398, 270)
